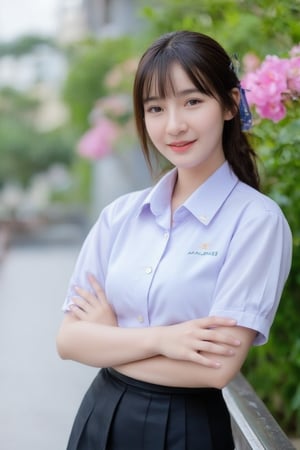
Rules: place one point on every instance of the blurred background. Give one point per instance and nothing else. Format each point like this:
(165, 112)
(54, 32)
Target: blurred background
(68, 147)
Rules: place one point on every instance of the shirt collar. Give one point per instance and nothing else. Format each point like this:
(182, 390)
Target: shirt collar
(159, 198)
(204, 202)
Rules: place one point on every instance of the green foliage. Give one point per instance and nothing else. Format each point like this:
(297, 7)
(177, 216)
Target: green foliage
(89, 64)
(15, 103)
(274, 369)
(24, 151)
(24, 45)
(241, 26)
(78, 191)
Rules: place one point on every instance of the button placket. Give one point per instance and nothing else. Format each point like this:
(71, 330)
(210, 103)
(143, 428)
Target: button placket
(141, 316)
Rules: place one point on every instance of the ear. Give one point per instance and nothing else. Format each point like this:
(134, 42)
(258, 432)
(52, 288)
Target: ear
(229, 114)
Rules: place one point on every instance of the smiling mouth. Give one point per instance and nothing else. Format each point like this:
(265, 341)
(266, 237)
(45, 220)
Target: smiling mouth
(180, 147)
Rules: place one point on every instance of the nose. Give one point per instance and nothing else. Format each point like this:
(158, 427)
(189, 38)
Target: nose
(176, 123)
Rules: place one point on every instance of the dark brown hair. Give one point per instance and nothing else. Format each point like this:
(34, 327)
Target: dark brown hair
(210, 69)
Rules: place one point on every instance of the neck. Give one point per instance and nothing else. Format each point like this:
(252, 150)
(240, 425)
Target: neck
(188, 180)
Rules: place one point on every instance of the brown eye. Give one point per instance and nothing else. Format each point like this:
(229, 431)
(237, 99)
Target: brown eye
(194, 101)
(154, 109)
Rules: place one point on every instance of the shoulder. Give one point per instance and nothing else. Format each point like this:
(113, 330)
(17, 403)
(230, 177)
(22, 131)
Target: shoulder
(259, 217)
(127, 205)
(254, 204)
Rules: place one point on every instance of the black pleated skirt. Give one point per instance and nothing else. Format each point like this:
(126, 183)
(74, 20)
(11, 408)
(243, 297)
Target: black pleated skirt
(121, 413)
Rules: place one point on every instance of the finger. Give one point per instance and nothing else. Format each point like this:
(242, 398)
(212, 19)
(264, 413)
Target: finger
(86, 295)
(214, 321)
(97, 288)
(77, 312)
(199, 358)
(210, 347)
(214, 335)
(81, 303)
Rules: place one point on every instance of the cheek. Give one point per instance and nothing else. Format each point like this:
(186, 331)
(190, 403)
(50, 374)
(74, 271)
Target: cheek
(213, 120)
(153, 129)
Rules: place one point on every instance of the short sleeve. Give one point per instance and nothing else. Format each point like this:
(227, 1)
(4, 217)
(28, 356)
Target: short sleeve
(93, 258)
(251, 281)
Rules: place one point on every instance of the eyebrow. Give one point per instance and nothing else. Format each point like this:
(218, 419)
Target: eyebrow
(177, 94)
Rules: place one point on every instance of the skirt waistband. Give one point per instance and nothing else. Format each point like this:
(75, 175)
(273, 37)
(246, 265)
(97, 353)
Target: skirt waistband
(157, 388)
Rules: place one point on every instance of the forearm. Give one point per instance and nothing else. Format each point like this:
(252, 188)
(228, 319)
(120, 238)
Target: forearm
(187, 373)
(171, 372)
(90, 334)
(134, 352)
(103, 346)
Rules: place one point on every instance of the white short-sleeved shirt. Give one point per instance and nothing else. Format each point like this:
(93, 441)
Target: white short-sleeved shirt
(227, 253)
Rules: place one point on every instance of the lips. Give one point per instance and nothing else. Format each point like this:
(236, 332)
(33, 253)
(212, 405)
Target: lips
(181, 147)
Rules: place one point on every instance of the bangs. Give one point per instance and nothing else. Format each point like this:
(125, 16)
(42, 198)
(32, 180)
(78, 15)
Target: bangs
(158, 78)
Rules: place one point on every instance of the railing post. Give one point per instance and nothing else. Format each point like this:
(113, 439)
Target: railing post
(254, 428)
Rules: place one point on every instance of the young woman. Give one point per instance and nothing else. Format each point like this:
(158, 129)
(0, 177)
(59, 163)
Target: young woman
(175, 283)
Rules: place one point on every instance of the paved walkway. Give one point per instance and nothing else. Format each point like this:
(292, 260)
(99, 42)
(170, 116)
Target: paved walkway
(39, 393)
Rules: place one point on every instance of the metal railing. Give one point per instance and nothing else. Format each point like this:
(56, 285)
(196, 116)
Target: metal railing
(254, 428)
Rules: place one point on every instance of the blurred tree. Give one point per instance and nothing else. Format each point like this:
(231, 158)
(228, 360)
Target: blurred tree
(89, 63)
(241, 26)
(24, 151)
(24, 45)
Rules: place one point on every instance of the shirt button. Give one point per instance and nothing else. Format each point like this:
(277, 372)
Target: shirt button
(166, 235)
(140, 318)
(203, 219)
(148, 270)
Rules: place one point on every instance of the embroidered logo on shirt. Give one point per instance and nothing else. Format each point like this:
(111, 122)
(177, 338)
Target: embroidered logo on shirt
(204, 250)
(204, 246)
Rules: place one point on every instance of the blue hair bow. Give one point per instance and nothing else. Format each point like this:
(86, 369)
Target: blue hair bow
(245, 113)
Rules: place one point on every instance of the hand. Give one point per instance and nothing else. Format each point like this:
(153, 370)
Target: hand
(93, 307)
(198, 340)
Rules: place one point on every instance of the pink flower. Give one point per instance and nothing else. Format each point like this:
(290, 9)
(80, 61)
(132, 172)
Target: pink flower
(273, 111)
(272, 75)
(293, 75)
(269, 86)
(264, 90)
(251, 85)
(98, 141)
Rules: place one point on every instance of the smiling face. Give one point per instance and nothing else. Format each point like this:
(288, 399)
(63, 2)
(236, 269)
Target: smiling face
(186, 125)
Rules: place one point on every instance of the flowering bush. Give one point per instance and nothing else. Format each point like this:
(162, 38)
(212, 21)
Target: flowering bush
(111, 118)
(108, 119)
(274, 85)
(98, 141)
(273, 92)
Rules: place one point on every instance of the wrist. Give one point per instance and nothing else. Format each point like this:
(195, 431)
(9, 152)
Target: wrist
(153, 340)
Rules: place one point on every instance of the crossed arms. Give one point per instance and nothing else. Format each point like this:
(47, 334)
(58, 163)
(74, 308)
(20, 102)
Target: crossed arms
(206, 352)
